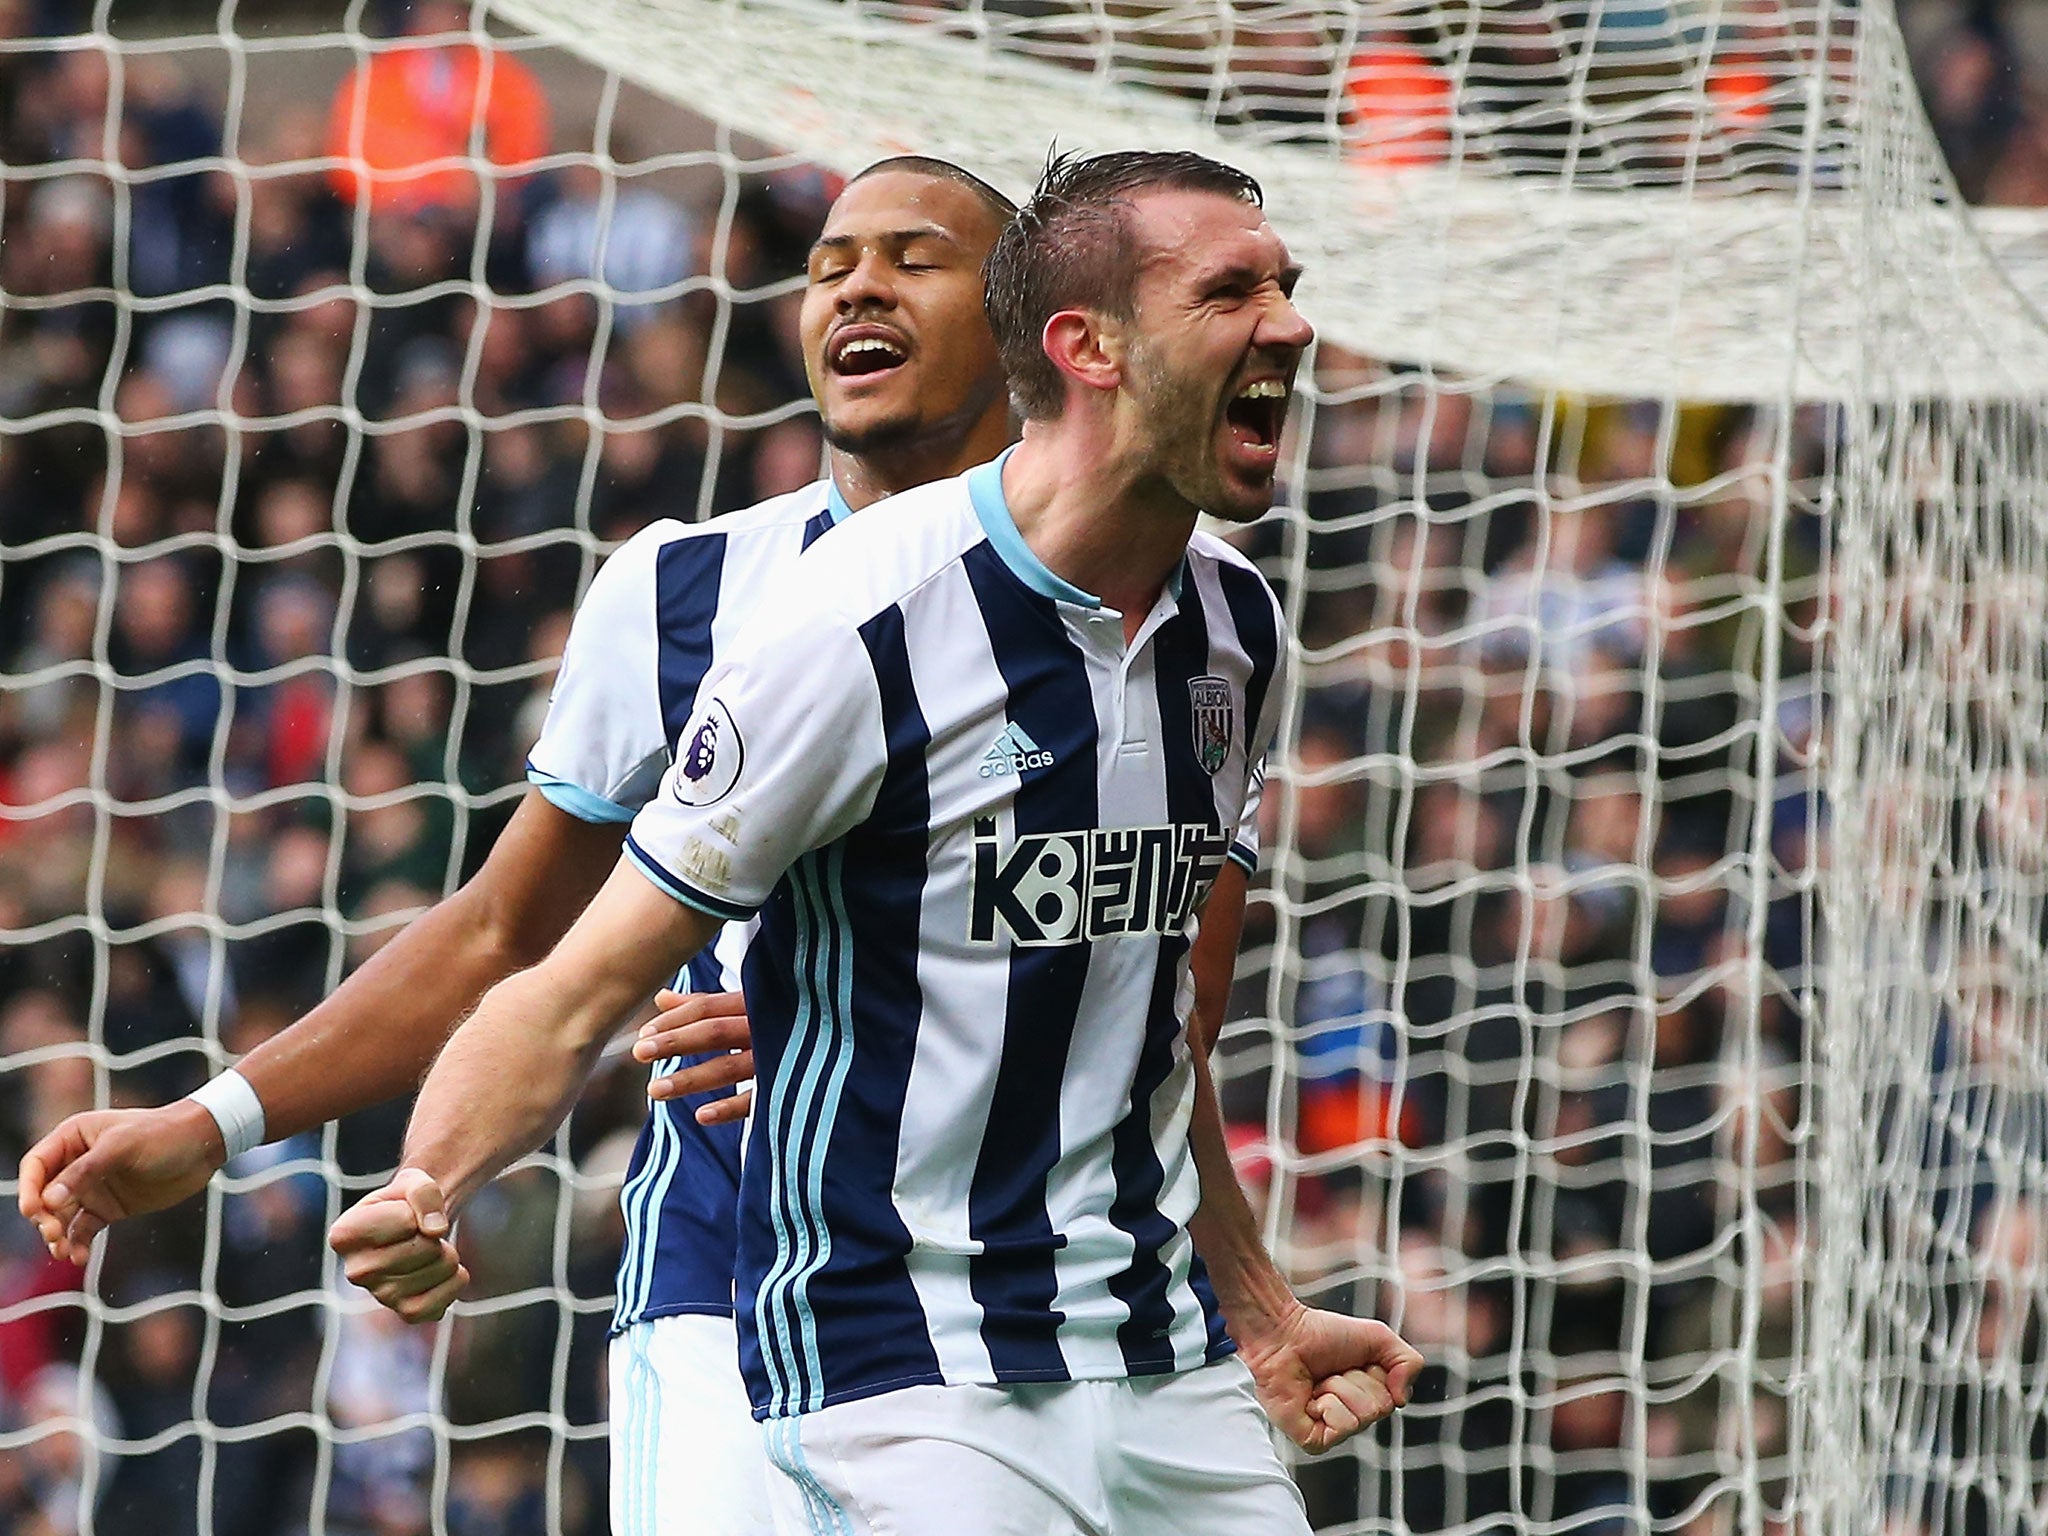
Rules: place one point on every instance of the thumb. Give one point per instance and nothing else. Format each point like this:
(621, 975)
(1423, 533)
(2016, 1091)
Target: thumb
(429, 1209)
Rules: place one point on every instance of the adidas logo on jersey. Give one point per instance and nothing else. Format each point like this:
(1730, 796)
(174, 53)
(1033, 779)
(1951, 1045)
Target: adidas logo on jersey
(1013, 752)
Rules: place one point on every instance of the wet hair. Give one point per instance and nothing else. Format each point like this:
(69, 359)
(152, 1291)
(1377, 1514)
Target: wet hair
(1070, 247)
(1000, 208)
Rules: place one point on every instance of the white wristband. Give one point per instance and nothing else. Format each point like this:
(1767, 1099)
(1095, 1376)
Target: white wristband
(235, 1109)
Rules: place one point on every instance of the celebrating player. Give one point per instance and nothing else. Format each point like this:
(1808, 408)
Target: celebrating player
(910, 389)
(973, 770)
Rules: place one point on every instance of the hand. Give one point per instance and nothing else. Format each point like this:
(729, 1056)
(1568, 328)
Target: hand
(698, 1024)
(1322, 1377)
(106, 1164)
(395, 1245)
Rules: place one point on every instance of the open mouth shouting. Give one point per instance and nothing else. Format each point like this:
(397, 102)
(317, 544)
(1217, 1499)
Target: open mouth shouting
(866, 351)
(1253, 419)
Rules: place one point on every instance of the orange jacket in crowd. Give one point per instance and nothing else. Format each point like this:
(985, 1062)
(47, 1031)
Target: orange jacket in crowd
(421, 106)
(1398, 103)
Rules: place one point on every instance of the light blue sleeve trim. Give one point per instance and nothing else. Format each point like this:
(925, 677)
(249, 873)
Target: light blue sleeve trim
(1243, 857)
(985, 487)
(583, 804)
(682, 890)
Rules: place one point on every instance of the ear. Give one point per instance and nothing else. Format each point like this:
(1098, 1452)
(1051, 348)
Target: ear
(1085, 348)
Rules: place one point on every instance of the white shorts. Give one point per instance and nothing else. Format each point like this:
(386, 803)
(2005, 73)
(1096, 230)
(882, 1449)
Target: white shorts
(1184, 1455)
(686, 1452)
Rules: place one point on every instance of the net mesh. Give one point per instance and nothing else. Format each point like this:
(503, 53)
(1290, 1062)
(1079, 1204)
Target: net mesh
(1643, 1003)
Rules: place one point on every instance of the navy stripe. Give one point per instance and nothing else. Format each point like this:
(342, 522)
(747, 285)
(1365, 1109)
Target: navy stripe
(870, 1324)
(1012, 1276)
(769, 978)
(793, 1110)
(817, 527)
(1258, 631)
(688, 894)
(687, 575)
(703, 975)
(1180, 652)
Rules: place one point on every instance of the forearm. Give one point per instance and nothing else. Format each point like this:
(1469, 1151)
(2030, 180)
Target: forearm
(1213, 960)
(376, 1036)
(510, 1075)
(474, 1116)
(1254, 1295)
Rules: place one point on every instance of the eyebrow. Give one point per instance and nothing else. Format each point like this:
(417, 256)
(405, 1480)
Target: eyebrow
(1246, 272)
(894, 237)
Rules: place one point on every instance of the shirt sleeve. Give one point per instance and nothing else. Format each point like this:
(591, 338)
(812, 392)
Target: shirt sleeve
(602, 748)
(1244, 845)
(784, 754)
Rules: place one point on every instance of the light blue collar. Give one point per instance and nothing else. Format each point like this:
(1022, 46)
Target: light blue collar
(985, 487)
(835, 504)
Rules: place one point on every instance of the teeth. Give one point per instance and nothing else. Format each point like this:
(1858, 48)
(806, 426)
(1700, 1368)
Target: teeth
(869, 344)
(1265, 389)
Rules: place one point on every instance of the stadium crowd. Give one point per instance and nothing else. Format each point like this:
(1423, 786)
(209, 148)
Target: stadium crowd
(281, 581)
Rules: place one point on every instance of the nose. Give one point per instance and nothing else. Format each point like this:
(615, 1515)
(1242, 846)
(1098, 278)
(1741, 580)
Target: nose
(870, 285)
(1283, 325)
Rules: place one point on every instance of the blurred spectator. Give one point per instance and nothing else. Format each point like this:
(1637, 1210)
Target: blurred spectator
(1511, 1028)
(1971, 80)
(53, 1484)
(1399, 101)
(294, 707)
(1455, 1467)
(158, 642)
(298, 226)
(397, 118)
(382, 1376)
(155, 1359)
(286, 955)
(51, 1064)
(646, 241)
(497, 1489)
(395, 831)
(59, 646)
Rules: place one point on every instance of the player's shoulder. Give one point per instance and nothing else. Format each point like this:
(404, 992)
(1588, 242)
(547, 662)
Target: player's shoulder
(778, 515)
(1230, 562)
(875, 559)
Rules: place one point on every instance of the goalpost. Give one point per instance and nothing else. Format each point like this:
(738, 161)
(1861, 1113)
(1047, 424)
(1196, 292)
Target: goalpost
(1645, 1005)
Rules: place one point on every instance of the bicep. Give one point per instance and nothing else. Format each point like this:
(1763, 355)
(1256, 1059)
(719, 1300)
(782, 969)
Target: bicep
(542, 872)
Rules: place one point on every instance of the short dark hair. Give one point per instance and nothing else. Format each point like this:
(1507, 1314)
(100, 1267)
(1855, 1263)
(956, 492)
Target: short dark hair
(1070, 247)
(1000, 208)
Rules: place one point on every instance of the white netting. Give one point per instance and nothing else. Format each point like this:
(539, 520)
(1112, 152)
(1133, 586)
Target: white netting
(1664, 539)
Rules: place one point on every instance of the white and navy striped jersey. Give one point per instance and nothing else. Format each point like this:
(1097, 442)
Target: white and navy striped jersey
(975, 827)
(665, 604)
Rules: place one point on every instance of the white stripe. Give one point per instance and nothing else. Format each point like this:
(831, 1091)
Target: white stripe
(953, 1071)
(1130, 790)
(1231, 658)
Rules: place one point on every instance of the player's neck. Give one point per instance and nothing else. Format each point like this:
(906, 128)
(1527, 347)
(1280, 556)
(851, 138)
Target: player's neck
(1093, 521)
(865, 478)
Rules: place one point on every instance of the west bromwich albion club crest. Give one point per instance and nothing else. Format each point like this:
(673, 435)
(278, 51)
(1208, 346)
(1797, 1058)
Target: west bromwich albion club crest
(1209, 705)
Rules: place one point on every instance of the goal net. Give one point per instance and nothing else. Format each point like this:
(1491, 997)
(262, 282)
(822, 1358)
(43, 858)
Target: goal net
(1643, 1001)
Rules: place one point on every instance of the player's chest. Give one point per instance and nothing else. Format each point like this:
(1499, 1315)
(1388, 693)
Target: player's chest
(1063, 814)
(1122, 740)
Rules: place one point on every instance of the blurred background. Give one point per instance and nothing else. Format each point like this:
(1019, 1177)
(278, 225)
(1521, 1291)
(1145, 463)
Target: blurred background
(301, 471)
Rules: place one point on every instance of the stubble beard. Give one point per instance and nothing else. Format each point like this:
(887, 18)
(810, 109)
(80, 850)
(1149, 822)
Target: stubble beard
(889, 435)
(1181, 417)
